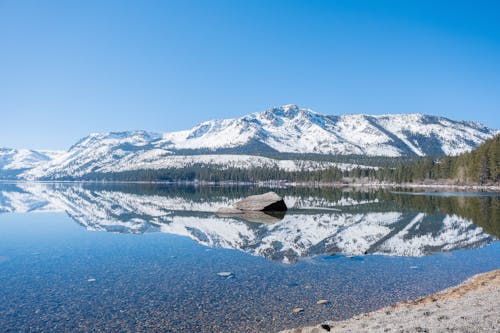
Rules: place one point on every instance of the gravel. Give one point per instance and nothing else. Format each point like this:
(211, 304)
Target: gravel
(473, 306)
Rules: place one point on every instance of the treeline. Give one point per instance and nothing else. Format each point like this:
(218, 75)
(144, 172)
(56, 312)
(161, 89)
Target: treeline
(480, 166)
(204, 173)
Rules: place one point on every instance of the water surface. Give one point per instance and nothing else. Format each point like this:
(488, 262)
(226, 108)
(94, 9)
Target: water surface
(79, 257)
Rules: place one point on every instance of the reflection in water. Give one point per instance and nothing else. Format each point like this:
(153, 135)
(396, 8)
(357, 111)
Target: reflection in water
(319, 221)
(257, 216)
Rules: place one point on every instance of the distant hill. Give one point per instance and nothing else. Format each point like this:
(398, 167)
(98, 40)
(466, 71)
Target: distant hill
(13, 162)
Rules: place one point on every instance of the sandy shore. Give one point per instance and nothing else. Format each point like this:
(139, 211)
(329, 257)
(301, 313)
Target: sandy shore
(473, 306)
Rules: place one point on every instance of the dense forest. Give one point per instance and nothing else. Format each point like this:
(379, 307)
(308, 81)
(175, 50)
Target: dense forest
(480, 166)
(203, 173)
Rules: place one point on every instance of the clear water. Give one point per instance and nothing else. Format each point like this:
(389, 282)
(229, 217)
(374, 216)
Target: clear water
(145, 258)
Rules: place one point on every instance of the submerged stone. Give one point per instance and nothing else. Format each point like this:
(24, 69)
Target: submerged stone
(225, 274)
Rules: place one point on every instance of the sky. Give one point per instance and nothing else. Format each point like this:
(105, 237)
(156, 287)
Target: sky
(70, 68)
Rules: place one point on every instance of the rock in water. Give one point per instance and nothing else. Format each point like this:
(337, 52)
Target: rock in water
(228, 211)
(269, 201)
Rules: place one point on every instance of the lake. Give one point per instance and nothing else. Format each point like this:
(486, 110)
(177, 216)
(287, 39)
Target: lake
(139, 257)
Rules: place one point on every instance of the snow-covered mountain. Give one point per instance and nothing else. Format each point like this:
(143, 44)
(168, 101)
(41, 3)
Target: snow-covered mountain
(286, 129)
(297, 130)
(15, 161)
(338, 225)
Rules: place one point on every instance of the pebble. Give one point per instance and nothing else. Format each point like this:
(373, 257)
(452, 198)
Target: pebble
(326, 327)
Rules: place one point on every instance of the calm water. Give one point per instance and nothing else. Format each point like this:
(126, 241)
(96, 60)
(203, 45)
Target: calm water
(146, 258)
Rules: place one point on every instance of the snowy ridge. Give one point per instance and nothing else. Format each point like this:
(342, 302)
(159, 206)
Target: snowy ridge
(301, 233)
(287, 129)
(300, 130)
(15, 161)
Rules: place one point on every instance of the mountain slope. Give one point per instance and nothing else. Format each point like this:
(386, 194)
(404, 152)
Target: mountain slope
(286, 129)
(15, 161)
(297, 130)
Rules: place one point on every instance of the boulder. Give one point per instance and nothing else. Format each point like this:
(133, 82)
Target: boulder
(228, 211)
(269, 201)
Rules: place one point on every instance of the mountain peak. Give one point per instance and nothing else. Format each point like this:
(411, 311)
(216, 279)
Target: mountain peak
(285, 111)
(288, 107)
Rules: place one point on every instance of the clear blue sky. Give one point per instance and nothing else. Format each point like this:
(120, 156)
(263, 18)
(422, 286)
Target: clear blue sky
(68, 68)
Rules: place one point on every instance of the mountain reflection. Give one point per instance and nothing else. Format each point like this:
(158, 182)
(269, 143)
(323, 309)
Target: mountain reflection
(320, 221)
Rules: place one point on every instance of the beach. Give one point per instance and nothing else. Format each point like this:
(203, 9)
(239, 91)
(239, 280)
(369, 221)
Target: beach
(473, 306)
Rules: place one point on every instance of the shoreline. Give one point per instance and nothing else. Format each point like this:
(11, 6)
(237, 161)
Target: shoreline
(273, 184)
(472, 306)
